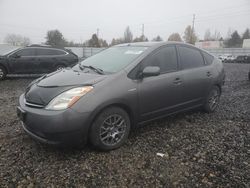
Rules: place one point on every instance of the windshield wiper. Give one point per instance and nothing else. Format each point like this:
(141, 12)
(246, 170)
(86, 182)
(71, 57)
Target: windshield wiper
(97, 70)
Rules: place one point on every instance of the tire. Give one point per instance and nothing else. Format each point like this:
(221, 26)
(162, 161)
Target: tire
(60, 67)
(212, 100)
(104, 134)
(3, 73)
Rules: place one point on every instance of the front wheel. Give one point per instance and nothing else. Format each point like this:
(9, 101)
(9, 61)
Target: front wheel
(2, 73)
(110, 129)
(212, 100)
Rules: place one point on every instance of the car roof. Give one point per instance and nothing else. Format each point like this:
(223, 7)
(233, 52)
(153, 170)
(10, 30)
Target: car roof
(152, 44)
(39, 45)
(43, 46)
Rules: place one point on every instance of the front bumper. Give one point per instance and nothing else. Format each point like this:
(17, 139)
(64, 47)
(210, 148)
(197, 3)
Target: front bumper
(65, 127)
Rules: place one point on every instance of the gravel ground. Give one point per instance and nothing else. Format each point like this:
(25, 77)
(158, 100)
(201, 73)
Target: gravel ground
(201, 150)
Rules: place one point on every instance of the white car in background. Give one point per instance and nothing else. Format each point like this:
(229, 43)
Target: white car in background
(227, 58)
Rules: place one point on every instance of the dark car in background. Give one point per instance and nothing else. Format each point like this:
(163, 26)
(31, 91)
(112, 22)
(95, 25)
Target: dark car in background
(35, 59)
(242, 59)
(103, 97)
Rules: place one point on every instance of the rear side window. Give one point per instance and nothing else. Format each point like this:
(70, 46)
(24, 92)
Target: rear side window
(165, 58)
(190, 57)
(208, 58)
(41, 52)
(26, 52)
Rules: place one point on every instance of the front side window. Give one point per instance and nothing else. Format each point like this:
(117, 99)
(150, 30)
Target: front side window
(115, 58)
(190, 57)
(165, 58)
(26, 52)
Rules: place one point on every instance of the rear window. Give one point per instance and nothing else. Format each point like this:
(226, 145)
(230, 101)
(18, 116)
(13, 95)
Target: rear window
(190, 57)
(208, 58)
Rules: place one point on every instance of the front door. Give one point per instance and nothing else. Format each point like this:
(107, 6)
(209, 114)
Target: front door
(23, 61)
(160, 95)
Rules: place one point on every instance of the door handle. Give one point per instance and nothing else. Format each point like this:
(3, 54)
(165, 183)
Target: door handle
(209, 74)
(177, 81)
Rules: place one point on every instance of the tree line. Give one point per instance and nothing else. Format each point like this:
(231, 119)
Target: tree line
(233, 39)
(56, 39)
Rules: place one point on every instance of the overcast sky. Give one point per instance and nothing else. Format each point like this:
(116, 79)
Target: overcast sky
(79, 19)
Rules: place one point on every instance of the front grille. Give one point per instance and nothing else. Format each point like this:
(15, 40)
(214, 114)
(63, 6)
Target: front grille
(33, 105)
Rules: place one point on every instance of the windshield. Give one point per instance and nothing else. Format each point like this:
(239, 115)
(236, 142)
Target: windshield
(7, 50)
(114, 59)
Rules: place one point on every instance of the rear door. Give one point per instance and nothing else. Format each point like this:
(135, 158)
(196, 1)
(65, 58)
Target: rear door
(23, 61)
(159, 95)
(49, 58)
(197, 76)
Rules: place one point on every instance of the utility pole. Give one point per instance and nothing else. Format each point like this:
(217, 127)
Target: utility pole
(192, 30)
(142, 29)
(142, 32)
(97, 32)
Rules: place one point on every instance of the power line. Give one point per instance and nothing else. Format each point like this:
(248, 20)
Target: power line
(234, 15)
(202, 17)
(206, 13)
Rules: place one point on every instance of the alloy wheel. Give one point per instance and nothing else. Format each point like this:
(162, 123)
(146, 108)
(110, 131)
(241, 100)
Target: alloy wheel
(214, 99)
(60, 68)
(113, 129)
(1, 73)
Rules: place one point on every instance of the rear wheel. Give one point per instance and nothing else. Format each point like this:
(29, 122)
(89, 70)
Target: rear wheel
(110, 129)
(3, 73)
(212, 100)
(60, 67)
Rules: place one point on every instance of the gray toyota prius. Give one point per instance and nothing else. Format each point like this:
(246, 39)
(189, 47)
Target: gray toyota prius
(104, 97)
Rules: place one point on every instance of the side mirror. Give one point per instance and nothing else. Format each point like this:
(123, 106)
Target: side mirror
(151, 71)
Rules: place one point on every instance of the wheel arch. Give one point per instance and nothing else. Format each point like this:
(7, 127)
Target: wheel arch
(219, 86)
(59, 64)
(5, 68)
(125, 107)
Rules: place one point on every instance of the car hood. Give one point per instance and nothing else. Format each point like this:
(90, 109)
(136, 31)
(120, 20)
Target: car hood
(69, 77)
(44, 89)
(2, 57)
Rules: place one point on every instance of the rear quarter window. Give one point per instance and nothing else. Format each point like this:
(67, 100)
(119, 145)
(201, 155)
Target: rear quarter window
(208, 58)
(59, 52)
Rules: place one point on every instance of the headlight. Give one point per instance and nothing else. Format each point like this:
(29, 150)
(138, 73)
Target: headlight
(68, 98)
